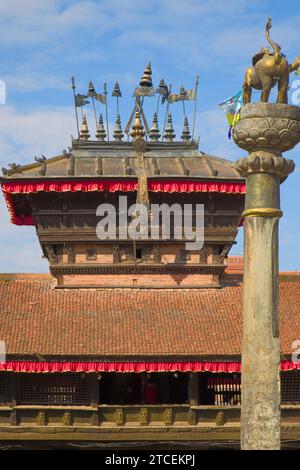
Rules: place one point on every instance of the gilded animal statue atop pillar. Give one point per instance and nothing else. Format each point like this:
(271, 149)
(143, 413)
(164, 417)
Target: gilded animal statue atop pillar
(269, 68)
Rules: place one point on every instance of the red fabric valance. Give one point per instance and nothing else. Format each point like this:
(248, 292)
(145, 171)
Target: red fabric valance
(168, 186)
(70, 186)
(26, 366)
(15, 218)
(124, 185)
(25, 187)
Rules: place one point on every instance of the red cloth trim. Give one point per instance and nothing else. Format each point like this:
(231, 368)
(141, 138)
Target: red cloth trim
(73, 186)
(125, 185)
(196, 186)
(26, 366)
(111, 186)
(289, 365)
(14, 218)
(25, 188)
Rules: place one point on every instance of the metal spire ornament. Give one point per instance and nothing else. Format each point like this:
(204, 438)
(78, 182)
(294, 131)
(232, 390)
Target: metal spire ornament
(182, 96)
(162, 91)
(74, 94)
(84, 133)
(154, 131)
(137, 106)
(91, 92)
(146, 79)
(118, 133)
(137, 127)
(169, 134)
(117, 93)
(166, 98)
(185, 135)
(100, 134)
(146, 87)
(106, 109)
(195, 105)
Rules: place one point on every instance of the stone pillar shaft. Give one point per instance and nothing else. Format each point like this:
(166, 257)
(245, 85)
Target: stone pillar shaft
(260, 415)
(265, 130)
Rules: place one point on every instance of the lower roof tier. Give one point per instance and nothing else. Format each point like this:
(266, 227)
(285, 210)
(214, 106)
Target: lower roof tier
(38, 321)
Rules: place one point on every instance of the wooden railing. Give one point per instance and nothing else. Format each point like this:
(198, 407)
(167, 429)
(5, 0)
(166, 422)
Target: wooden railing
(113, 422)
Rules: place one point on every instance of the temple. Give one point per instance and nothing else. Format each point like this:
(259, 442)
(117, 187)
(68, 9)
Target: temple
(131, 340)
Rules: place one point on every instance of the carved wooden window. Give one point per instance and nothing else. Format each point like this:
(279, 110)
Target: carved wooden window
(143, 253)
(53, 389)
(290, 386)
(91, 254)
(221, 389)
(185, 255)
(3, 388)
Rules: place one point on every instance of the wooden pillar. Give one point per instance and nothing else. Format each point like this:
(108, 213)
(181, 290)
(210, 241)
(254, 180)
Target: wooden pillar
(193, 388)
(93, 384)
(12, 389)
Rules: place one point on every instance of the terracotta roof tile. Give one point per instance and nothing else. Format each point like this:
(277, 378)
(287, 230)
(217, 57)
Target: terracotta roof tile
(37, 319)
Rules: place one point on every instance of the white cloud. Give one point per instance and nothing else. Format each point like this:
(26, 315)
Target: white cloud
(20, 250)
(44, 130)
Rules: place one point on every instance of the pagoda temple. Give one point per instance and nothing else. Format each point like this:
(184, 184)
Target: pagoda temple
(130, 340)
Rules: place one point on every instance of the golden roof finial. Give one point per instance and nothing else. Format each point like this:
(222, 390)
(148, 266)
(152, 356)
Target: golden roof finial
(100, 134)
(185, 135)
(169, 134)
(91, 90)
(137, 127)
(154, 131)
(84, 133)
(146, 79)
(118, 133)
(182, 91)
(116, 90)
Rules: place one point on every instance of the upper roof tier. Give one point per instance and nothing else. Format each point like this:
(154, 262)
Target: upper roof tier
(111, 159)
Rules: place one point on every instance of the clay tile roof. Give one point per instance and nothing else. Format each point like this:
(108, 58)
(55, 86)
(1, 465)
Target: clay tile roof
(35, 318)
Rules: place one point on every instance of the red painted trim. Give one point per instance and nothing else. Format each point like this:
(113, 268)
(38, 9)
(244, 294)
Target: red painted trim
(26, 187)
(196, 186)
(69, 186)
(43, 367)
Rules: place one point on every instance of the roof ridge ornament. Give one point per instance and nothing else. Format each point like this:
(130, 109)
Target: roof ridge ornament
(84, 133)
(118, 132)
(137, 127)
(169, 134)
(101, 133)
(154, 131)
(186, 135)
(146, 79)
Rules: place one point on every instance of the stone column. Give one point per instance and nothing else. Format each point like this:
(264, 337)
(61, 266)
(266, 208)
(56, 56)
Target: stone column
(265, 130)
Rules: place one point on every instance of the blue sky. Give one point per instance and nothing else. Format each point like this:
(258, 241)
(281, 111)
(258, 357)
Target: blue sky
(42, 44)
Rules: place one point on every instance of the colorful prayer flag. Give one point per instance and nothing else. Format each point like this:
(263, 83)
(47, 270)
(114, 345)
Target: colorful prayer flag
(231, 108)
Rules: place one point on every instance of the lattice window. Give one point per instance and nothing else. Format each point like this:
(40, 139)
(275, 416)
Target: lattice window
(225, 389)
(53, 389)
(3, 388)
(229, 202)
(290, 386)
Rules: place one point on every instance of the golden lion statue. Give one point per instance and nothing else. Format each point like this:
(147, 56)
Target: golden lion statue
(268, 69)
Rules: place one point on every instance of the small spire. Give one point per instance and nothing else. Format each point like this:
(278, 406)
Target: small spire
(100, 134)
(182, 91)
(154, 131)
(91, 90)
(137, 127)
(118, 133)
(162, 84)
(146, 79)
(169, 134)
(84, 133)
(185, 135)
(116, 90)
